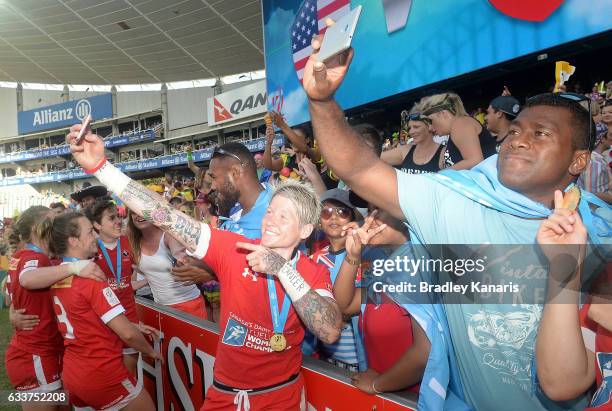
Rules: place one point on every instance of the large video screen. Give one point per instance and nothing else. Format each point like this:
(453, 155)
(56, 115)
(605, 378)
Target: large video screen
(404, 44)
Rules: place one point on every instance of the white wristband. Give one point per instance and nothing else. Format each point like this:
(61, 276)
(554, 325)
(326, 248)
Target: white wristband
(292, 282)
(75, 267)
(112, 178)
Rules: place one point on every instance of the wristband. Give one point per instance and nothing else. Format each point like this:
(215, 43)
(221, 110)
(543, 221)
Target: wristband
(374, 387)
(75, 267)
(96, 168)
(112, 178)
(292, 282)
(352, 262)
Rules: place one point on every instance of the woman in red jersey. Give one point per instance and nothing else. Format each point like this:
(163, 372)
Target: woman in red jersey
(114, 257)
(93, 323)
(34, 356)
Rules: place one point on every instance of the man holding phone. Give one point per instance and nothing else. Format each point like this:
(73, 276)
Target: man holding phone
(521, 181)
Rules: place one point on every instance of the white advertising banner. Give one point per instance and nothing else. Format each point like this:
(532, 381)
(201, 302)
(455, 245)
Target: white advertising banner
(238, 103)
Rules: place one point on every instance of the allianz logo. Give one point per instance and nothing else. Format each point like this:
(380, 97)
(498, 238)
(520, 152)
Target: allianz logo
(46, 116)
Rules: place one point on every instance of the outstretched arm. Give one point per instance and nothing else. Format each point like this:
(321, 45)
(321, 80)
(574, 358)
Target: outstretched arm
(320, 314)
(144, 202)
(343, 150)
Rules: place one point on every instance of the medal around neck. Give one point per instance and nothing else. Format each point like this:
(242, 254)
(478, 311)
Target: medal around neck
(278, 342)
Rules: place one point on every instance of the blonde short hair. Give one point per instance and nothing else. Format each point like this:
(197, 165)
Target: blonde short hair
(303, 198)
(445, 101)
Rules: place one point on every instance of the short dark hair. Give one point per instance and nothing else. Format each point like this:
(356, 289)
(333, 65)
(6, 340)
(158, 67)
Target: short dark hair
(243, 153)
(64, 226)
(504, 114)
(57, 205)
(582, 124)
(94, 212)
(370, 134)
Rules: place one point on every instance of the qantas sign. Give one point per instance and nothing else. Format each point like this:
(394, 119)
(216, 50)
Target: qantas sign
(239, 103)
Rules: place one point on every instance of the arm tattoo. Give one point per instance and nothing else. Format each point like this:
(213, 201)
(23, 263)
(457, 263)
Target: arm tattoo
(274, 262)
(153, 208)
(320, 315)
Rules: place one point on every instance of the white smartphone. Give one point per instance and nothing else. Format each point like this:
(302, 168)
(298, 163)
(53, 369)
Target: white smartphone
(84, 127)
(338, 37)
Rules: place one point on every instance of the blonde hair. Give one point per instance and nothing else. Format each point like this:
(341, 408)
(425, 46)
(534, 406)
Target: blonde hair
(303, 198)
(447, 101)
(134, 236)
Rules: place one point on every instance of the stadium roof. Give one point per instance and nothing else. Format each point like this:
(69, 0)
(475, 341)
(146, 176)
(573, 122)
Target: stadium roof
(128, 41)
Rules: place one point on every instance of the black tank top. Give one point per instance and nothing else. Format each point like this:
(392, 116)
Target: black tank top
(410, 167)
(487, 144)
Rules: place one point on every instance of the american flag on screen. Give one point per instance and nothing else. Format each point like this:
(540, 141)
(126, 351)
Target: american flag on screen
(310, 21)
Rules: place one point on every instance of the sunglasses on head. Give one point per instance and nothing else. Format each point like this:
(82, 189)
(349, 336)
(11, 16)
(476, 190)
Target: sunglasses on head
(342, 212)
(578, 98)
(218, 151)
(406, 117)
(438, 108)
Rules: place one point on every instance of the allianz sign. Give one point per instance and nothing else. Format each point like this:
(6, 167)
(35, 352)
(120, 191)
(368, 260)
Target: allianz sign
(65, 114)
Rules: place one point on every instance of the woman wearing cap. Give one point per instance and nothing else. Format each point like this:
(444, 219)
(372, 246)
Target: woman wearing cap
(391, 366)
(469, 141)
(423, 155)
(337, 212)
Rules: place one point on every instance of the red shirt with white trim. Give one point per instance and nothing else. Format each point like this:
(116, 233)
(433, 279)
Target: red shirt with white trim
(45, 338)
(244, 357)
(93, 351)
(123, 289)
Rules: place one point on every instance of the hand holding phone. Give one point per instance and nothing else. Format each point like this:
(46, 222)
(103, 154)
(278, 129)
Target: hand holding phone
(84, 126)
(338, 37)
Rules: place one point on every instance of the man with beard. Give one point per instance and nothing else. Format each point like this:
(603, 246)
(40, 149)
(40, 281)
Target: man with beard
(236, 190)
(237, 193)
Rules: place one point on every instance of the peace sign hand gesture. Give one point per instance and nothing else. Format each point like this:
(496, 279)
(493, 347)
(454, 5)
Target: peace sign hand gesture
(359, 237)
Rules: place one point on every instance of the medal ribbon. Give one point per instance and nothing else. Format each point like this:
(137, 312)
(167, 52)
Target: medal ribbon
(33, 247)
(279, 319)
(70, 259)
(117, 273)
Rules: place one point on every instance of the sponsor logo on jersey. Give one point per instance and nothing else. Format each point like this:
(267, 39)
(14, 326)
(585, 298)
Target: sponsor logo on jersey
(235, 333)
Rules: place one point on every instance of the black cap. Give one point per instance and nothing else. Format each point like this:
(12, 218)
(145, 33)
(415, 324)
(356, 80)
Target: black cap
(506, 104)
(89, 190)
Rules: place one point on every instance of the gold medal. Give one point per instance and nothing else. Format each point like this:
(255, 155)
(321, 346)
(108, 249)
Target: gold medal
(278, 342)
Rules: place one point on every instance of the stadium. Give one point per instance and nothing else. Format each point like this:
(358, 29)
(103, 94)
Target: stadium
(200, 109)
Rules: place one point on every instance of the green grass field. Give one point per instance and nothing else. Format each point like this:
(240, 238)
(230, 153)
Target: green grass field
(5, 337)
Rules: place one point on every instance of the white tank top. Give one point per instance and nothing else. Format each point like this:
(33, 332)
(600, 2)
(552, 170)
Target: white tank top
(157, 269)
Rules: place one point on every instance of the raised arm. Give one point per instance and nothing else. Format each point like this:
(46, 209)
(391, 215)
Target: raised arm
(565, 370)
(144, 202)
(298, 141)
(274, 164)
(343, 150)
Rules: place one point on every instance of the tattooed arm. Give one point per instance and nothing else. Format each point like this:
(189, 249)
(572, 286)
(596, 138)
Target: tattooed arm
(320, 314)
(89, 152)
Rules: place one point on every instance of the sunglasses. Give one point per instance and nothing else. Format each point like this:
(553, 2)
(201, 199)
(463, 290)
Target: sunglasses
(222, 152)
(406, 117)
(342, 212)
(578, 98)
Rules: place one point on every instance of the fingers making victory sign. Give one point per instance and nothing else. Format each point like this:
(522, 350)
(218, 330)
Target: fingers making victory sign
(358, 237)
